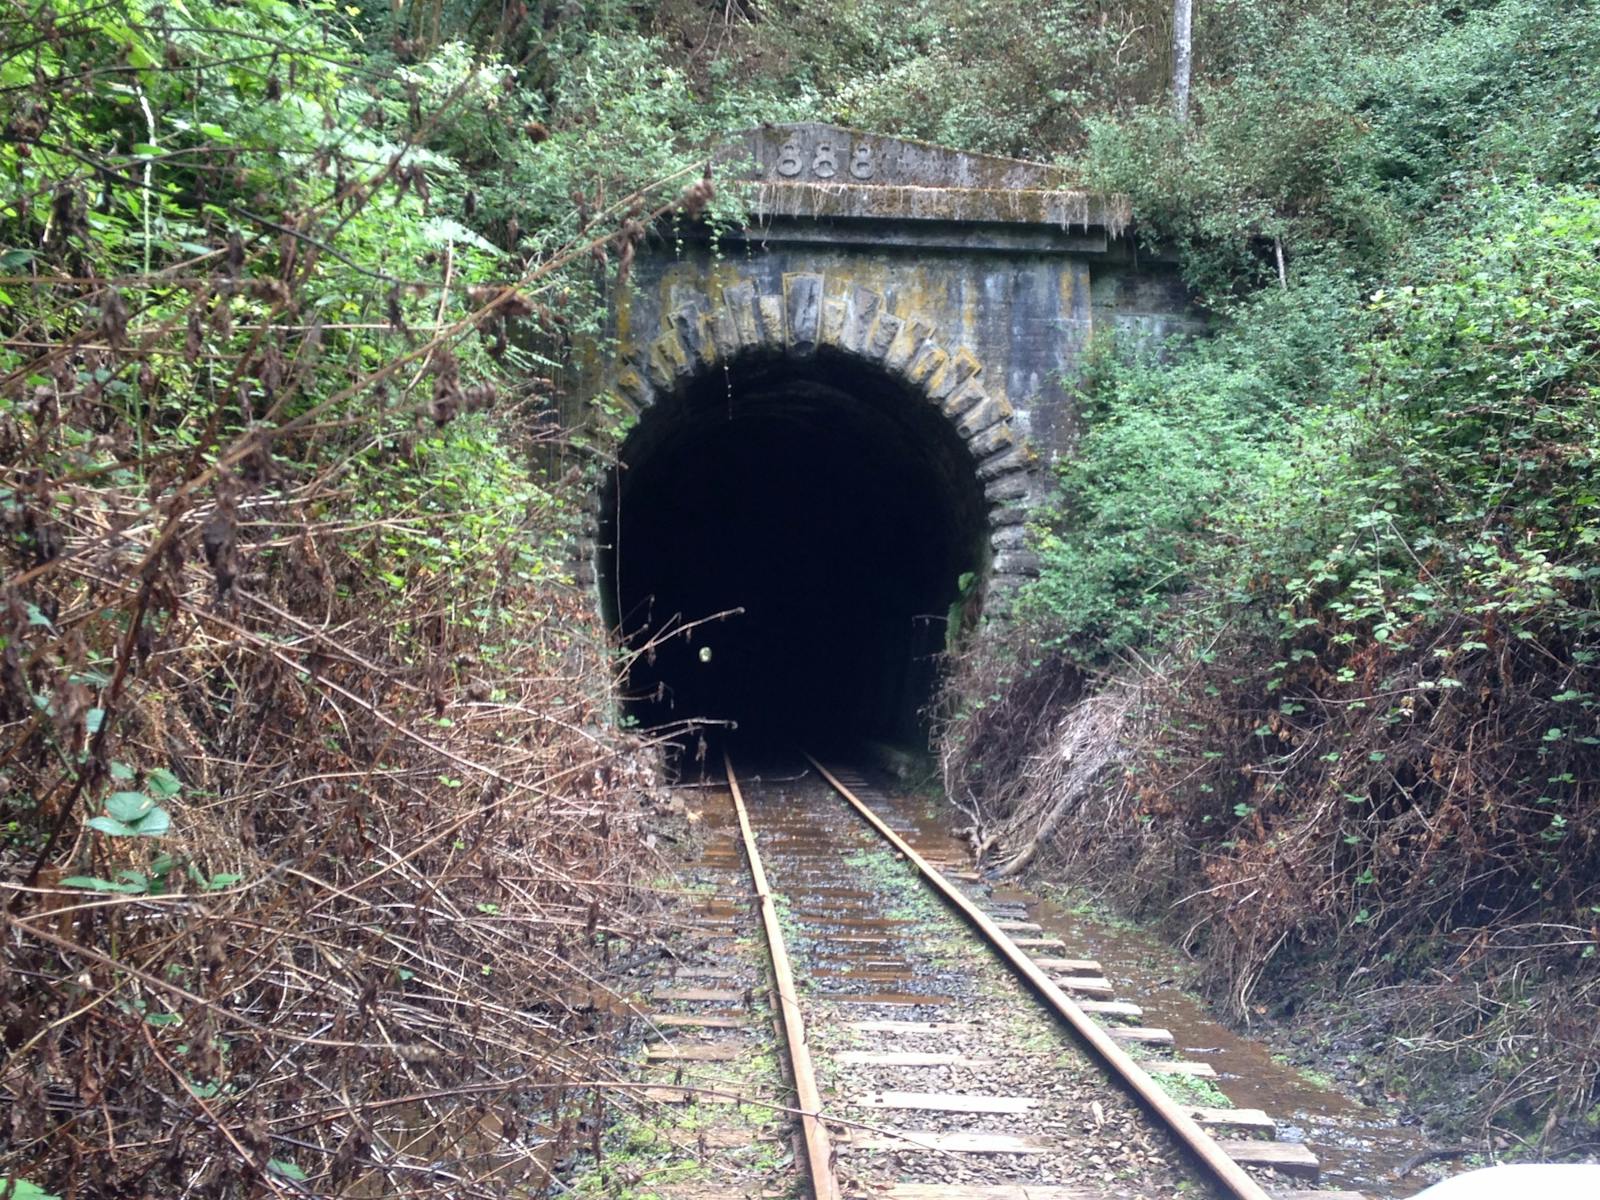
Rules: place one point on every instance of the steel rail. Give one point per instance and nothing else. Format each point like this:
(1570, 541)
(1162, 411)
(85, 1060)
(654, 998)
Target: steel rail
(1229, 1175)
(819, 1150)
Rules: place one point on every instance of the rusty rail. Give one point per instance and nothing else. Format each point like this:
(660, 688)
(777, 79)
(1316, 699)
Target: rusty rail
(1229, 1175)
(819, 1151)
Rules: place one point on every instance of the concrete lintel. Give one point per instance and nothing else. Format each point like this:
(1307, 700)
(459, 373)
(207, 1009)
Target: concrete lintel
(1062, 209)
(930, 235)
(821, 152)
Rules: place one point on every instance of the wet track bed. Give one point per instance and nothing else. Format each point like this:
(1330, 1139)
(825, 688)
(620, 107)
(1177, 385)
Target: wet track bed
(1360, 1146)
(941, 1076)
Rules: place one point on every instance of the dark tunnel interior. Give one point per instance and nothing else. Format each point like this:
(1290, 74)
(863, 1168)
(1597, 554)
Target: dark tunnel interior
(816, 519)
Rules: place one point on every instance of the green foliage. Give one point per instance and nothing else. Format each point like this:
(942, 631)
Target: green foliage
(463, 511)
(1160, 488)
(1481, 432)
(1006, 78)
(164, 874)
(132, 814)
(285, 290)
(1346, 545)
(21, 1189)
(1332, 138)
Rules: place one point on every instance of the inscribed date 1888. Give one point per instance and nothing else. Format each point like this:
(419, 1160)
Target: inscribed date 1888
(824, 160)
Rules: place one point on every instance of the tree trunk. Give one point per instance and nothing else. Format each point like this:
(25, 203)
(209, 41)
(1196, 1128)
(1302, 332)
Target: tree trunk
(1182, 56)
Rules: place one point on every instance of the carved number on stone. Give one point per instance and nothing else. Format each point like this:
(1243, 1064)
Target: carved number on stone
(789, 160)
(861, 162)
(826, 164)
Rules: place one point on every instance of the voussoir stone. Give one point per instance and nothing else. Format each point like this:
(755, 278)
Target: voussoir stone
(834, 312)
(1006, 487)
(1011, 458)
(907, 345)
(992, 439)
(882, 336)
(803, 295)
(694, 332)
(635, 389)
(740, 302)
(928, 361)
(861, 311)
(769, 314)
(668, 361)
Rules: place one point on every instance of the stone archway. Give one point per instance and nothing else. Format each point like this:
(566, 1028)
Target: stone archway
(814, 315)
(896, 476)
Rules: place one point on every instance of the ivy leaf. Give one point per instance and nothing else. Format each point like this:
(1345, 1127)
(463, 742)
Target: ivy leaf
(102, 885)
(129, 807)
(282, 1166)
(153, 824)
(163, 783)
(112, 828)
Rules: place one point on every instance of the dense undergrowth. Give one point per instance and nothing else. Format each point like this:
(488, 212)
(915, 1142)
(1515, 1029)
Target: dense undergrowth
(1321, 601)
(316, 849)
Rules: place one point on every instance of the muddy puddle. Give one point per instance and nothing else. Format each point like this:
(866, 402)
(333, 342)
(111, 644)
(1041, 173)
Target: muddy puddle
(1362, 1148)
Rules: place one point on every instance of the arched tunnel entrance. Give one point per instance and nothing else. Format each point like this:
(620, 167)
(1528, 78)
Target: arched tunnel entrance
(819, 518)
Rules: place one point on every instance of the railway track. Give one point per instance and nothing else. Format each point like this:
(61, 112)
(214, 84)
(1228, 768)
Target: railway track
(935, 1044)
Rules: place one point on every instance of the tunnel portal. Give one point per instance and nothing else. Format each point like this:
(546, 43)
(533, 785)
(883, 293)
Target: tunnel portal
(831, 413)
(783, 544)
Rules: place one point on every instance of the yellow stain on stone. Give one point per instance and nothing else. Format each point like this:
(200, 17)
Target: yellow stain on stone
(1074, 292)
(969, 311)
